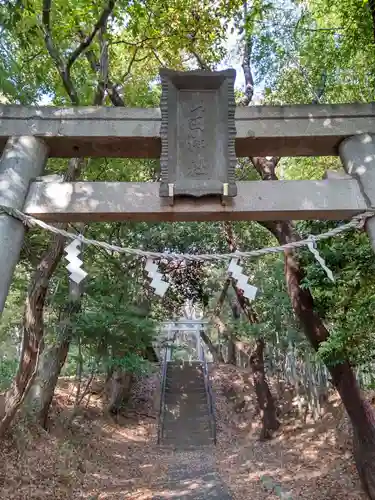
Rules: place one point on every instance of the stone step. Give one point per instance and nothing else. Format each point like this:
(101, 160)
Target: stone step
(188, 415)
(186, 421)
(197, 439)
(186, 378)
(194, 407)
(184, 363)
(175, 391)
(184, 389)
(184, 426)
(185, 383)
(195, 371)
(184, 400)
(185, 369)
(185, 366)
(200, 437)
(183, 375)
(187, 418)
(189, 401)
(188, 432)
(193, 417)
(178, 443)
(176, 409)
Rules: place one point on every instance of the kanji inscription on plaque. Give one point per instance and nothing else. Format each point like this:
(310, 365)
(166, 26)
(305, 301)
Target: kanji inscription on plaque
(197, 133)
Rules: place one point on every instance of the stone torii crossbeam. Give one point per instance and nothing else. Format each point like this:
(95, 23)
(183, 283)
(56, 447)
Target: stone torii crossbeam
(28, 136)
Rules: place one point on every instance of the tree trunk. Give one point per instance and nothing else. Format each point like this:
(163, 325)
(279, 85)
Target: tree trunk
(232, 357)
(33, 328)
(362, 418)
(150, 354)
(361, 414)
(17, 401)
(119, 389)
(52, 360)
(264, 396)
(343, 378)
(215, 351)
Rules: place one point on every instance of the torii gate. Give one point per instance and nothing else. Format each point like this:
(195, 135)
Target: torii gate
(189, 325)
(29, 135)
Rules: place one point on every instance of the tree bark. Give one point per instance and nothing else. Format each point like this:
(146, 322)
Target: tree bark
(265, 399)
(232, 357)
(119, 388)
(266, 402)
(33, 315)
(215, 351)
(361, 414)
(39, 399)
(33, 327)
(17, 401)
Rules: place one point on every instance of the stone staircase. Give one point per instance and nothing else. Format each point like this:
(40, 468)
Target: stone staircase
(186, 418)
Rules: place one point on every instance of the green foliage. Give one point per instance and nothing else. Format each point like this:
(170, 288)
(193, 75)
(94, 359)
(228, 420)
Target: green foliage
(130, 363)
(8, 368)
(320, 50)
(346, 305)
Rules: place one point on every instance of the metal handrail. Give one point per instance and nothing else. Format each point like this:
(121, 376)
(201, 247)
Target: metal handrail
(209, 395)
(162, 396)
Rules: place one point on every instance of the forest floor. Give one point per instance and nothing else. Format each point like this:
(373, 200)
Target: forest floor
(97, 457)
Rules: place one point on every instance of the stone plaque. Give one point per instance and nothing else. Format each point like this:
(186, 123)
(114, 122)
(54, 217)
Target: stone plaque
(197, 133)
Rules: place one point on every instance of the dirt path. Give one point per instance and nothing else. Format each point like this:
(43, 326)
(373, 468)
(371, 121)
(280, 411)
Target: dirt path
(192, 475)
(97, 458)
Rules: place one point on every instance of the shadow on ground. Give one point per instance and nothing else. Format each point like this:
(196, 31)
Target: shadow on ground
(97, 457)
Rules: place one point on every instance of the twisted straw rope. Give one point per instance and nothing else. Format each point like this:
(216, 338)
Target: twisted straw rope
(356, 222)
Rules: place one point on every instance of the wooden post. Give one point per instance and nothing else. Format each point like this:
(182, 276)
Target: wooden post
(358, 157)
(22, 160)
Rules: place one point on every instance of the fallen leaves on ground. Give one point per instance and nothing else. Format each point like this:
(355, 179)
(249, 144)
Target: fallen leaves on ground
(97, 457)
(306, 461)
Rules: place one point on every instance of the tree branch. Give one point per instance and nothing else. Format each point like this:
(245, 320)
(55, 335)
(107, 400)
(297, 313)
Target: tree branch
(201, 63)
(132, 60)
(103, 68)
(64, 69)
(156, 55)
(101, 23)
(112, 91)
(266, 167)
(53, 52)
(246, 63)
(319, 93)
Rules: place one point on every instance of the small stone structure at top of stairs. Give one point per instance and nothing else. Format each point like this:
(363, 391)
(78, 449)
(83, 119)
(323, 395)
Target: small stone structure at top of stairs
(187, 419)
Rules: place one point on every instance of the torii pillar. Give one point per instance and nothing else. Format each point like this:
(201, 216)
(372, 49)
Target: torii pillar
(357, 154)
(22, 160)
